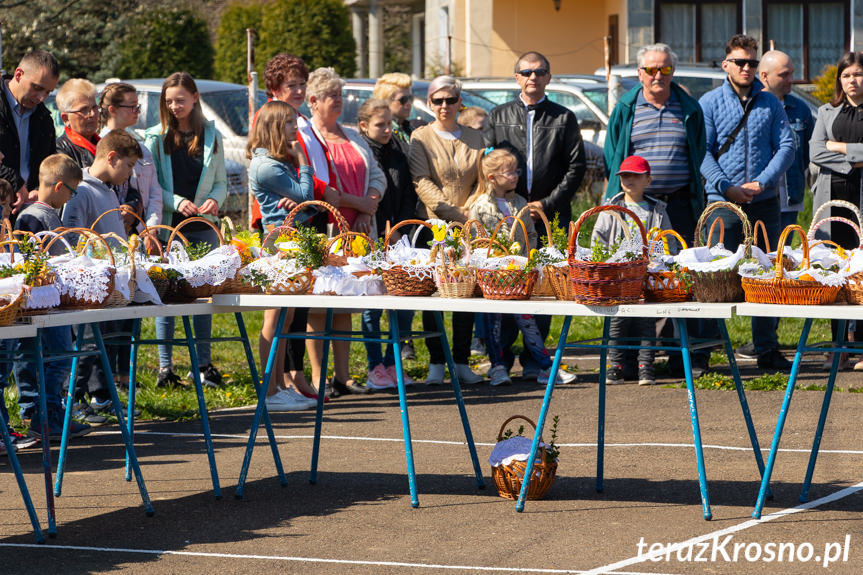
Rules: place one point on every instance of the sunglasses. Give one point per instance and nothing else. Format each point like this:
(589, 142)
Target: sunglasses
(404, 100)
(743, 62)
(540, 72)
(652, 70)
(452, 101)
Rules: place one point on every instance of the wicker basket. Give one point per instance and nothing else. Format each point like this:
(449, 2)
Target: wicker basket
(667, 286)
(397, 279)
(342, 224)
(544, 287)
(558, 278)
(298, 284)
(781, 290)
(68, 301)
(9, 312)
(721, 286)
(452, 280)
(602, 283)
(508, 478)
(184, 287)
(235, 285)
(507, 284)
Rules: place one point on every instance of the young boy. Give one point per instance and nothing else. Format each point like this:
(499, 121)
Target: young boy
(116, 155)
(634, 175)
(58, 178)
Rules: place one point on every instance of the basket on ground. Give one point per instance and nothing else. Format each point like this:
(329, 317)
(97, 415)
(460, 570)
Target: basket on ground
(508, 478)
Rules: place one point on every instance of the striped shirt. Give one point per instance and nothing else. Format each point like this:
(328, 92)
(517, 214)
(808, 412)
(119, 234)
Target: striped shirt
(659, 136)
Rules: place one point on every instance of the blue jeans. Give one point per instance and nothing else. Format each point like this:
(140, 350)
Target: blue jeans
(371, 327)
(763, 328)
(54, 340)
(534, 343)
(203, 323)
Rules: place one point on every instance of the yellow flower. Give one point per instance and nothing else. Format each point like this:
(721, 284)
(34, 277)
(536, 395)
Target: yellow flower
(512, 266)
(337, 246)
(515, 248)
(840, 252)
(456, 233)
(439, 232)
(359, 246)
(532, 254)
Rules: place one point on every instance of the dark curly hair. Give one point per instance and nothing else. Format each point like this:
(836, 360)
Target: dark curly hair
(280, 67)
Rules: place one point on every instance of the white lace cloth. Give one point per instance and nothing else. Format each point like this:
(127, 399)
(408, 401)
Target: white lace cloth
(623, 253)
(84, 278)
(415, 261)
(765, 268)
(513, 449)
(276, 269)
(340, 281)
(503, 262)
(213, 269)
(713, 259)
(43, 297)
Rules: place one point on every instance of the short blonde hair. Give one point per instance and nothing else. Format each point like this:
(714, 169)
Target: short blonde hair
(59, 168)
(388, 84)
(470, 115)
(323, 81)
(72, 90)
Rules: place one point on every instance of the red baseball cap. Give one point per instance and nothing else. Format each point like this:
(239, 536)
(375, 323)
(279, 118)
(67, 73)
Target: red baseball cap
(634, 165)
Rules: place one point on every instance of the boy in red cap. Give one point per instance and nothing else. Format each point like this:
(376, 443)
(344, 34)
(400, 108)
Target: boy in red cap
(634, 175)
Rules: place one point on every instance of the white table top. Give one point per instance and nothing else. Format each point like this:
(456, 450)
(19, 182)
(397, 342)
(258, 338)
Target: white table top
(75, 317)
(17, 332)
(837, 311)
(536, 306)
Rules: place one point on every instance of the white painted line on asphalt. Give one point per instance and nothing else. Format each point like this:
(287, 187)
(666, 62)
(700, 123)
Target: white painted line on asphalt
(311, 559)
(613, 567)
(262, 437)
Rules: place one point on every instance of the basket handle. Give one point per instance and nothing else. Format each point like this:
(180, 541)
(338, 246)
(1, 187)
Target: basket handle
(816, 217)
(196, 219)
(614, 209)
(122, 209)
(825, 242)
(660, 235)
(228, 229)
(438, 248)
(341, 222)
(390, 230)
(472, 224)
(275, 233)
(516, 219)
(781, 249)
(6, 229)
(747, 225)
(810, 235)
(532, 424)
(542, 216)
(90, 234)
(759, 225)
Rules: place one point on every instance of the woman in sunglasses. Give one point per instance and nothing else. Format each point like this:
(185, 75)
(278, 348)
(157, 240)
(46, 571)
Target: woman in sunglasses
(395, 88)
(443, 162)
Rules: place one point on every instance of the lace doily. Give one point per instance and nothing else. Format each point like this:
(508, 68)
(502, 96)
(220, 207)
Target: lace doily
(85, 279)
(43, 297)
(213, 269)
(340, 281)
(513, 449)
(274, 268)
(623, 253)
(503, 262)
(712, 259)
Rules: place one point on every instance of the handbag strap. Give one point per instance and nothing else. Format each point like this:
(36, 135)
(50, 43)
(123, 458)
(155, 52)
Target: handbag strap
(733, 136)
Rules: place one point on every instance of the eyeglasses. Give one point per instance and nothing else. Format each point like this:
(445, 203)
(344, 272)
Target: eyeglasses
(449, 101)
(743, 62)
(652, 70)
(403, 100)
(137, 108)
(540, 72)
(72, 190)
(91, 111)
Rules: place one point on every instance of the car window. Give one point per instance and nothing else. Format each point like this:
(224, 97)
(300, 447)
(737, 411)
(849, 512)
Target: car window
(149, 115)
(574, 103)
(232, 106)
(697, 87)
(496, 96)
(598, 96)
(51, 104)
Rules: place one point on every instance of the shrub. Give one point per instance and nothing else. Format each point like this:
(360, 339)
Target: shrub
(230, 60)
(825, 83)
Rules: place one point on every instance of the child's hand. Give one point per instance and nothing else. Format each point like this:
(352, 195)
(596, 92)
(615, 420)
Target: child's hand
(287, 204)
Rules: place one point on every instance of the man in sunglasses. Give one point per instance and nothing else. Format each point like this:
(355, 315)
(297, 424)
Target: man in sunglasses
(750, 146)
(546, 140)
(26, 129)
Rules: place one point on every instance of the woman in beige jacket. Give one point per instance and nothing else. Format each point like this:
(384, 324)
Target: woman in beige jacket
(443, 161)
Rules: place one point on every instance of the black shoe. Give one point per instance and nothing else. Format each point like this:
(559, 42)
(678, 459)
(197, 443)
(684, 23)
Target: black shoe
(408, 351)
(614, 375)
(340, 389)
(645, 374)
(700, 365)
(773, 360)
(83, 413)
(210, 376)
(167, 378)
(746, 351)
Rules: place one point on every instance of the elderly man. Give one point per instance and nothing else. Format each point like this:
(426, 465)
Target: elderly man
(76, 100)
(750, 146)
(546, 140)
(26, 128)
(660, 122)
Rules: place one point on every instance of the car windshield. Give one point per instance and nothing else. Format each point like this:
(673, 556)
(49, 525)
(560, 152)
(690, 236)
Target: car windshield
(232, 106)
(567, 99)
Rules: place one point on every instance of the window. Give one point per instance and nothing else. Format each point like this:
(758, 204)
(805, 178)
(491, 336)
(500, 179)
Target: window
(697, 30)
(815, 33)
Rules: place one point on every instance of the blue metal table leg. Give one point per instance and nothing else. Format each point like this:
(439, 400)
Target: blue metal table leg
(540, 422)
(253, 371)
(783, 413)
(261, 407)
(67, 418)
(19, 477)
(600, 409)
(822, 419)
(741, 396)
(46, 437)
(403, 400)
(133, 371)
(322, 388)
(693, 415)
(202, 405)
(480, 482)
(118, 411)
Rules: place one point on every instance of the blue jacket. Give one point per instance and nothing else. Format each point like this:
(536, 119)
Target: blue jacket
(802, 125)
(272, 180)
(762, 151)
(618, 141)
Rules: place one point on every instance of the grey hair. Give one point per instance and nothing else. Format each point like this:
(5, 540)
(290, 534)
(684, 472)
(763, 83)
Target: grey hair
(72, 90)
(444, 83)
(323, 81)
(658, 47)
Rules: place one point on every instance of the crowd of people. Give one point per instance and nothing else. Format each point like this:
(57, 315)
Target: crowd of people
(667, 156)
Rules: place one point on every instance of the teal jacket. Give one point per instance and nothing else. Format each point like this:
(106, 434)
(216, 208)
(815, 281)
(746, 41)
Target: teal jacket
(618, 144)
(214, 180)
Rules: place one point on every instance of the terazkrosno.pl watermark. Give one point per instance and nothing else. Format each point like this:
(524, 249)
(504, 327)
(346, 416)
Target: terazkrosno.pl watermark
(725, 549)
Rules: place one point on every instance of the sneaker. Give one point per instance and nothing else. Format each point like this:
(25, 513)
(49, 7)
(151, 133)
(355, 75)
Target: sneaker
(210, 376)
(408, 351)
(101, 406)
(299, 397)
(530, 373)
(498, 376)
(746, 351)
(282, 400)
(55, 428)
(379, 378)
(167, 378)
(614, 375)
(466, 375)
(773, 360)
(21, 441)
(562, 377)
(84, 413)
(391, 371)
(435, 376)
(645, 374)
(477, 347)
(858, 366)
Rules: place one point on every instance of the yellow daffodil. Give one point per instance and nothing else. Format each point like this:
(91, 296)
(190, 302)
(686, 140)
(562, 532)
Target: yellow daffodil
(439, 232)
(359, 246)
(515, 248)
(532, 254)
(840, 252)
(456, 233)
(337, 246)
(512, 266)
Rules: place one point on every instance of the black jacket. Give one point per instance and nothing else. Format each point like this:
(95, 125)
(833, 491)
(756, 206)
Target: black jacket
(400, 198)
(81, 156)
(558, 162)
(42, 136)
